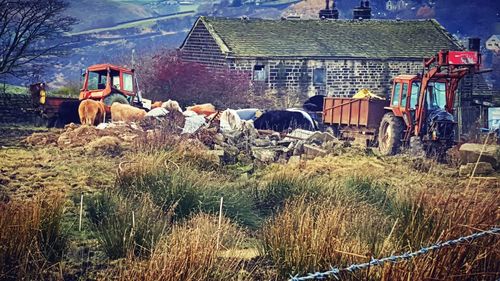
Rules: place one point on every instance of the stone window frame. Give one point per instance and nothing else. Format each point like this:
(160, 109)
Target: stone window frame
(264, 71)
(314, 74)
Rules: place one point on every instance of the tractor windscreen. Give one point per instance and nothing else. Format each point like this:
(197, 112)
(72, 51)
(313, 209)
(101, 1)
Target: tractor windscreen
(97, 80)
(436, 95)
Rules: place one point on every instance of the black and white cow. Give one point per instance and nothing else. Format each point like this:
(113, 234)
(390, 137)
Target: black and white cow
(283, 120)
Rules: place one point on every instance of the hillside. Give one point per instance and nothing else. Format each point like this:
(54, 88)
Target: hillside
(108, 30)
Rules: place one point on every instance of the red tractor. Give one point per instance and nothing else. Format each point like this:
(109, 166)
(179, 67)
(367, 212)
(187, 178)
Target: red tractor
(110, 83)
(419, 112)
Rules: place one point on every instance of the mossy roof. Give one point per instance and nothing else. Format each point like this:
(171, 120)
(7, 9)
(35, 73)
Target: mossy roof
(375, 39)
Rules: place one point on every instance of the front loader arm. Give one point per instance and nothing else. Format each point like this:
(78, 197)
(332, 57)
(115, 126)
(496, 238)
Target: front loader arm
(420, 111)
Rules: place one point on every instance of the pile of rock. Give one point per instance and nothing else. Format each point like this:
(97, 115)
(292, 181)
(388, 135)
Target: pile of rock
(237, 142)
(272, 147)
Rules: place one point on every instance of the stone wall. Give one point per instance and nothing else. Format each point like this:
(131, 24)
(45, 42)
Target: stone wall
(343, 77)
(201, 47)
(17, 108)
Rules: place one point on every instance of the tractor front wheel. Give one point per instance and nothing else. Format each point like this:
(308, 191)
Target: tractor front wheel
(115, 97)
(390, 134)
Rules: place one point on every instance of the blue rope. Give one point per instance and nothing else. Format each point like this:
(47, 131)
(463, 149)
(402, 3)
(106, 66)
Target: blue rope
(334, 272)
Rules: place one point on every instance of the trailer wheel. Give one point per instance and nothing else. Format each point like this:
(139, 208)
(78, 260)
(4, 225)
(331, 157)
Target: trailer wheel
(115, 97)
(390, 134)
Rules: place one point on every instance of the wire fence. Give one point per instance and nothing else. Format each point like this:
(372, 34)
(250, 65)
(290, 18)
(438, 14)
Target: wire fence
(334, 272)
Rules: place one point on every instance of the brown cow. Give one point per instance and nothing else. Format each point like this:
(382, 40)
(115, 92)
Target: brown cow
(202, 109)
(156, 104)
(126, 113)
(91, 112)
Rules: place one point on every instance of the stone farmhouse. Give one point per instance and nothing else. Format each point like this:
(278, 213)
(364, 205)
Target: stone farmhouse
(295, 59)
(328, 56)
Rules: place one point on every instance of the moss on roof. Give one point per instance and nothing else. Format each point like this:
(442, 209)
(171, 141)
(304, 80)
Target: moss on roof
(329, 38)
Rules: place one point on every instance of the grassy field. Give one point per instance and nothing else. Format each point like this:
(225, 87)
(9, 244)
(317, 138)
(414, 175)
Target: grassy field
(12, 89)
(183, 12)
(150, 212)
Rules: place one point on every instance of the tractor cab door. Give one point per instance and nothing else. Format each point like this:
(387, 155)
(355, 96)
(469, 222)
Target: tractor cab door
(401, 95)
(127, 83)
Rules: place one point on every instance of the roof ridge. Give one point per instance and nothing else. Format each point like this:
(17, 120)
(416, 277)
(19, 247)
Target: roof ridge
(218, 39)
(317, 20)
(445, 32)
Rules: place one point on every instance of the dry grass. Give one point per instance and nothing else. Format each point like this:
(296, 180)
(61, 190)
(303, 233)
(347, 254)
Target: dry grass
(31, 237)
(307, 236)
(357, 223)
(330, 211)
(190, 253)
(452, 217)
(25, 173)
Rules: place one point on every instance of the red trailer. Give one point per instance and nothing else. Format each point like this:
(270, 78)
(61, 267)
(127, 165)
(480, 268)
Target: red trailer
(58, 111)
(354, 118)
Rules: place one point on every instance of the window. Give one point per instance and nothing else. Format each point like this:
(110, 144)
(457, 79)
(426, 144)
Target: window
(128, 84)
(396, 94)
(319, 76)
(259, 73)
(415, 92)
(115, 79)
(97, 80)
(404, 94)
(436, 95)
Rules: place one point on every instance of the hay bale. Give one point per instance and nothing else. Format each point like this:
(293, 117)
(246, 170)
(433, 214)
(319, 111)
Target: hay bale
(42, 139)
(107, 145)
(77, 137)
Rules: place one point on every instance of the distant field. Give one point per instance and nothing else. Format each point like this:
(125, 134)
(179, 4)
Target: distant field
(279, 3)
(185, 11)
(12, 89)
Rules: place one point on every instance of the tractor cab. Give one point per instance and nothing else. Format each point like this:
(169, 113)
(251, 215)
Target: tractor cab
(405, 98)
(110, 83)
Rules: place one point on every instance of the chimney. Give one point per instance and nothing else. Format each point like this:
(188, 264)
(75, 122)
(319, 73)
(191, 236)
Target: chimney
(363, 12)
(475, 44)
(328, 13)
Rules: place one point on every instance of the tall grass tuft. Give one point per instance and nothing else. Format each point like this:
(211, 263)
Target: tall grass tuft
(191, 190)
(449, 216)
(309, 235)
(31, 237)
(362, 219)
(126, 227)
(273, 194)
(190, 252)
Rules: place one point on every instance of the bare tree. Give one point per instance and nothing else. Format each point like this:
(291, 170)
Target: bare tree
(30, 31)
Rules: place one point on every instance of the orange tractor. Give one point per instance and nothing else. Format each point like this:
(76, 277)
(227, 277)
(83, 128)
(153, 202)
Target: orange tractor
(419, 112)
(110, 83)
(104, 82)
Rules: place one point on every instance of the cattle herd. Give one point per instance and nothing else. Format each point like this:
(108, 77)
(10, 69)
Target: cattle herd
(94, 112)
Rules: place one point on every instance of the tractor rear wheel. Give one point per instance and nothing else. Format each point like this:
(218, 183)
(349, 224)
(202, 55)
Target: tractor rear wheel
(390, 134)
(115, 97)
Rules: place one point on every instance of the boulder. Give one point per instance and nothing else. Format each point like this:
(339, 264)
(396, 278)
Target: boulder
(321, 137)
(264, 155)
(469, 153)
(312, 151)
(483, 168)
(262, 142)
